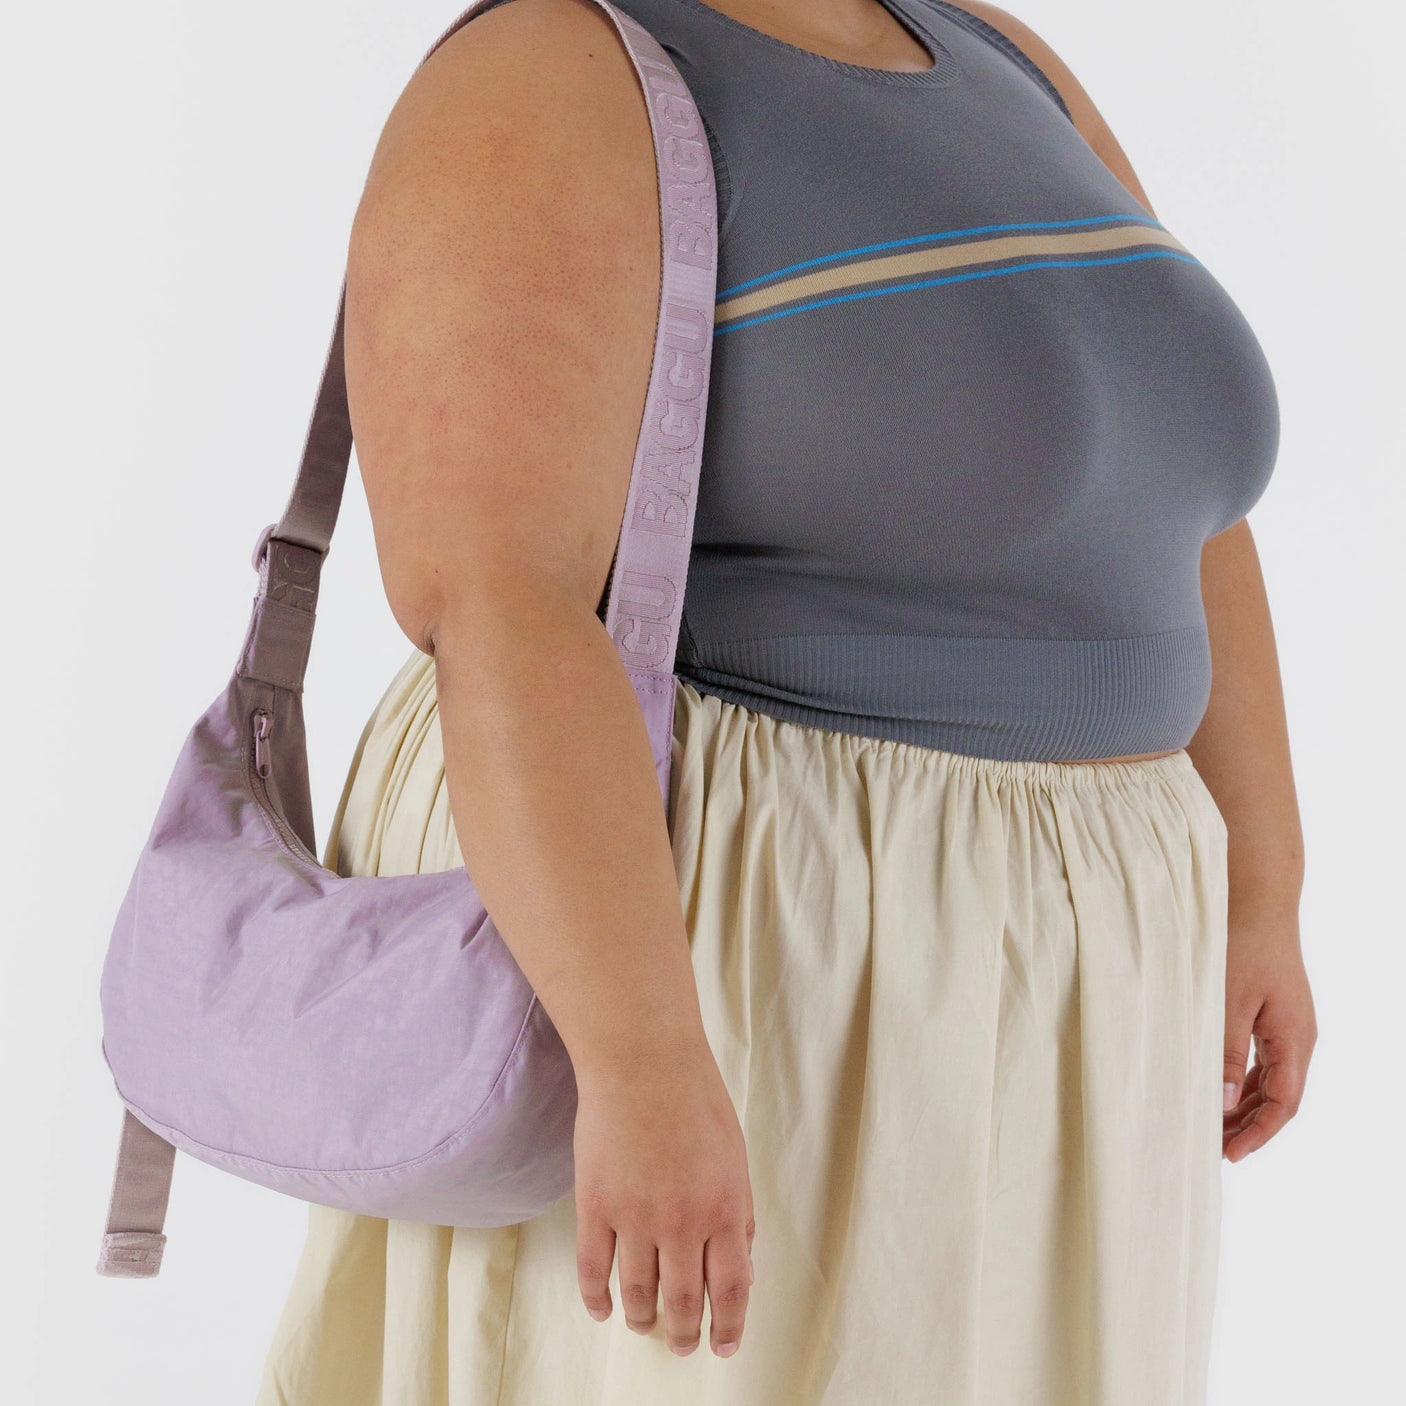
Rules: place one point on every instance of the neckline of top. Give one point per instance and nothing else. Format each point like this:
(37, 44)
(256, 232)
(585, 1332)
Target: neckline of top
(944, 67)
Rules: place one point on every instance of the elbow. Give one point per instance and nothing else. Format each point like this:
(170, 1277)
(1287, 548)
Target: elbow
(435, 614)
(416, 600)
(419, 622)
(478, 611)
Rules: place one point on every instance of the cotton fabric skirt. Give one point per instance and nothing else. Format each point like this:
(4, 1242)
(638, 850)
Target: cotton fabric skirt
(970, 1014)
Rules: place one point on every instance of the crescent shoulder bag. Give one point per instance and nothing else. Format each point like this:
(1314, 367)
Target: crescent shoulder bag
(369, 1043)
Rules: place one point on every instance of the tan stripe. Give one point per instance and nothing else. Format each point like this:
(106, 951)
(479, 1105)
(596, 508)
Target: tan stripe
(941, 257)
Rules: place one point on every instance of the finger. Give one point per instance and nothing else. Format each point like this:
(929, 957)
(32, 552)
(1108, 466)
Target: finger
(1249, 1136)
(1252, 1080)
(681, 1284)
(1281, 1086)
(1240, 1014)
(1284, 1048)
(1243, 1142)
(1285, 1057)
(1256, 1128)
(1241, 1119)
(1248, 1103)
(595, 1248)
(639, 1281)
(728, 1269)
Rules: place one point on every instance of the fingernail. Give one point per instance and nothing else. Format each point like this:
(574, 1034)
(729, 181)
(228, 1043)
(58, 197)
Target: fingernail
(726, 1349)
(599, 1314)
(751, 1273)
(1228, 1097)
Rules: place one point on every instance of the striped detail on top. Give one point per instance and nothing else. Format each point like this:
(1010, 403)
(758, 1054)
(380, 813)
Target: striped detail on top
(790, 291)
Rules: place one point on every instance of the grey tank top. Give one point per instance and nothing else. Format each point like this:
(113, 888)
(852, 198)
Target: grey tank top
(972, 411)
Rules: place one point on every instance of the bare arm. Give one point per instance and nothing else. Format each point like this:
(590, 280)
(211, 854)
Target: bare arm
(503, 285)
(1241, 751)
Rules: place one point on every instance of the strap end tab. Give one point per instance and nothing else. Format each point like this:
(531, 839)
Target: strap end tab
(131, 1254)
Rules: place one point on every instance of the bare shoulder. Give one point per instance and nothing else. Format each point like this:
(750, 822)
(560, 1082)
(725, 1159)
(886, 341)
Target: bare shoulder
(518, 155)
(1087, 117)
(524, 81)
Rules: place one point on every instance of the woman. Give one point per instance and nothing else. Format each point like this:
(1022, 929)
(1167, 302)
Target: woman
(899, 1047)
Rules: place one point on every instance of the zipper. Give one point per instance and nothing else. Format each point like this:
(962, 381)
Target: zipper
(263, 726)
(260, 766)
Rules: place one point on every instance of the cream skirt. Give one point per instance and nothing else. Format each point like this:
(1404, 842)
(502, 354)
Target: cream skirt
(970, 1013)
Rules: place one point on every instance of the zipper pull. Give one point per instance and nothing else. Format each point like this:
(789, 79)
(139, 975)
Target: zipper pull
(263, 726)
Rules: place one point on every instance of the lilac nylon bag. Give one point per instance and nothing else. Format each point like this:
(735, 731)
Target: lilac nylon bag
(369, 1043)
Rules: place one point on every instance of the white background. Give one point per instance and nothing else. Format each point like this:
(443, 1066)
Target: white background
(179, 181)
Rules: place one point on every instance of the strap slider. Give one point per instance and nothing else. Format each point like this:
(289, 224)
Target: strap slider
(261, 550)
(261, 546)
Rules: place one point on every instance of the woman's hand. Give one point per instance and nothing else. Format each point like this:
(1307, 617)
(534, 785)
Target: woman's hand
(1267, 998)
(661, 1179)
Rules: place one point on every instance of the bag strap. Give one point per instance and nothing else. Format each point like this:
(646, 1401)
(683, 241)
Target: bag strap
(647, 574)
(141, 1187)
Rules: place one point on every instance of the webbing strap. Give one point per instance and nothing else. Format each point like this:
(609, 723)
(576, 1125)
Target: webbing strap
(141, 1187)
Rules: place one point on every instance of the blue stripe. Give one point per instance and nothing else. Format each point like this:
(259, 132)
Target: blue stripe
(955, 278)
(925, 238)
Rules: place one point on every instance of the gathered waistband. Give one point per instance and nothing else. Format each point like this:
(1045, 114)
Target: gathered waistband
(1048, 774)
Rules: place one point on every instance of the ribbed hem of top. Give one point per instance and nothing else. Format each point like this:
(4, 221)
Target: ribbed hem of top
(998, 698)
